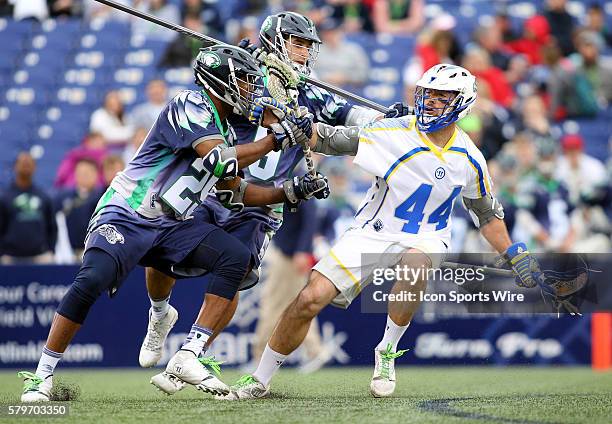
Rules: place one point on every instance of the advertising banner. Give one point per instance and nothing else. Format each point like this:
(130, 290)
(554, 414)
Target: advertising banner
(115, 328)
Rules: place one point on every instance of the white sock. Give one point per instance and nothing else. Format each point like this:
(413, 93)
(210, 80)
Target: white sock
(197, 338)
(269, 363)
(393, 334)
(47, 363)
(159, 308)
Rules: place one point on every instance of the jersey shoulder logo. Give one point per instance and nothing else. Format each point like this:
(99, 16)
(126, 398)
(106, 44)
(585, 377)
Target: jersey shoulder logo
(440, 173)
(111, 234)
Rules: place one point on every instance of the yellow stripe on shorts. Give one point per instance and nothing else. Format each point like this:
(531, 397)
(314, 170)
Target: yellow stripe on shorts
(346, 270)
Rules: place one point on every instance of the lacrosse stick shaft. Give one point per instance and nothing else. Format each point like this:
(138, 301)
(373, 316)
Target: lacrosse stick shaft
(209, 41)
(346, 94)
(486, 269)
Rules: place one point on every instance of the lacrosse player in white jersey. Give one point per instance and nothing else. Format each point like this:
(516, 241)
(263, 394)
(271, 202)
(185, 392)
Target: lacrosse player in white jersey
(421, 164)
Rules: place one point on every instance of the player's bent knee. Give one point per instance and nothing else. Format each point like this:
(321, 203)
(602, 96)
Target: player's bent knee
(231, 264)
(97, 273)
(315, 296)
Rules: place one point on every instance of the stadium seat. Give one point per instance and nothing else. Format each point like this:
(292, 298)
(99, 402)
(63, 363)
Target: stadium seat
(77, 96)
(103, 41)
(53, 42)
(85, 77)
(36, 77)
(66, 27)
(26, 96)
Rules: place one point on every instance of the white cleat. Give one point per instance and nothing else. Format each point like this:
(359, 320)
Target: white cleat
(153, 344)
(248, 387)
(184, 368)
(383, 380)
(35, 389)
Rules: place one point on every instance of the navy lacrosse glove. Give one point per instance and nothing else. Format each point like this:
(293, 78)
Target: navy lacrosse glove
(399, 109)
(259, 106)
(526, 268)
(306, 187)
(292, 131)
(245, 44)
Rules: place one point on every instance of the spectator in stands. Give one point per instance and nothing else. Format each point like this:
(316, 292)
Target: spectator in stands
(79, 203)
(93, 148)
(183, 49)
(478, 62)
(64, 8)
(109, 120)
(289, 261)
(593, 74)
(544, 217)
(436, 44)
(596, 22)
(558, 81)
(585, 176)
(145, 114)
(30, 9)
(518, 71)
(489, 38)
(6, 8)
(163, 10)
(100, 12)
(561, 24)
(112, 165)
(340, 62)
(139, 136)
(208, 12)
(536, 34)
(355, 15)
(504, 23)
(533, 121)
(398, 16)
(492, 118)
(28, 231)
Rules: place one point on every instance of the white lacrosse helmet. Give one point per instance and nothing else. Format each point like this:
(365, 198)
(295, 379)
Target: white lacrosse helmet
(444, 77)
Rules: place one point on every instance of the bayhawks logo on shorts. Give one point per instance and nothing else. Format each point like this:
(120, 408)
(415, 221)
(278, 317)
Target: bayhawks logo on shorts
(111, 234)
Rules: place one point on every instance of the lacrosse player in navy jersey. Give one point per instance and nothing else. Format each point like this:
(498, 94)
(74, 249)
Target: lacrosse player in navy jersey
(145, 216)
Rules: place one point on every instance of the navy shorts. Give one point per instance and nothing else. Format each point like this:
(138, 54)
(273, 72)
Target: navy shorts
(253, 227)
(134, 240)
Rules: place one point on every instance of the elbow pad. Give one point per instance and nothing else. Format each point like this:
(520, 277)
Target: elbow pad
(233, 199)
(336, 141)
(484, 209)
(223, 162)
(360, 116)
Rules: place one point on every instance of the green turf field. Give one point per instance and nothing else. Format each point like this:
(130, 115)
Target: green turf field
(423, 395)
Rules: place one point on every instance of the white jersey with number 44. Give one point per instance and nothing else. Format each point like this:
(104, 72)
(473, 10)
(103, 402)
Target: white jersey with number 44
(416, 182)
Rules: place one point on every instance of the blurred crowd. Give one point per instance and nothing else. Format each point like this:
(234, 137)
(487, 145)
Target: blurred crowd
(533, 80)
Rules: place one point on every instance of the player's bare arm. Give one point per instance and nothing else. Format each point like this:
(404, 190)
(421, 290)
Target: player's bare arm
(245, 154)
(236, 193)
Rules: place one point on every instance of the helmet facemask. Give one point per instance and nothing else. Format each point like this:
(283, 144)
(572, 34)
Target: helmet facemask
(240, 91)
(427, 118)
(279, 48)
